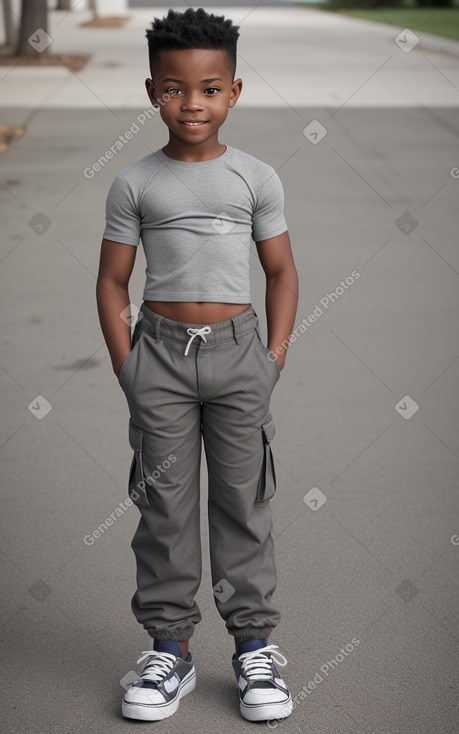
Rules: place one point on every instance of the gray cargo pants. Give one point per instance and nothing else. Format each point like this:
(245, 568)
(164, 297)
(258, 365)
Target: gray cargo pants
(181, 381)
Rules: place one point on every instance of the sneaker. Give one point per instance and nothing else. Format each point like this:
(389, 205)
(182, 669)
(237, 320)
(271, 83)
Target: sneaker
(157, 692)
(262, 692)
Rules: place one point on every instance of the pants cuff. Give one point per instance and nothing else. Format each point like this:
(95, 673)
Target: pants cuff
(180, 634)
(251, 633)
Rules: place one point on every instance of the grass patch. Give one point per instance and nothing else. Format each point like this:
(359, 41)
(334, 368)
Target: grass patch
(439, 21)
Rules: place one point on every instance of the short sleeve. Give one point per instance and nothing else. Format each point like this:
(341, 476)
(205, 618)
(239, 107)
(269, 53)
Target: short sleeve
(122, 218)
(268, 217)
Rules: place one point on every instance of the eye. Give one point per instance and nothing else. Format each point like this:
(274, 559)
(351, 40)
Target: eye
(172, 90)
(216, 89)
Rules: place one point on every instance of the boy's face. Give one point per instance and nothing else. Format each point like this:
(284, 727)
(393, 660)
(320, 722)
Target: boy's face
(198, 87)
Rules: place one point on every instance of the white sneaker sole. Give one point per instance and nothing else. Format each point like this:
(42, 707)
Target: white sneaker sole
(156, 712)
(267, 711)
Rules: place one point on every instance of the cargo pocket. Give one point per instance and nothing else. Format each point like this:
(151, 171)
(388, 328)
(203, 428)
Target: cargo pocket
(137, 486)
(267, 479)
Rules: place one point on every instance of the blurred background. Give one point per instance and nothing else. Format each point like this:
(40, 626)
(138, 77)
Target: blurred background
(355, 105)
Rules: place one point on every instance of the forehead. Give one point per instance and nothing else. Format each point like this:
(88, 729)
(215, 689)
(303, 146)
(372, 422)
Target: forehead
(191, 64)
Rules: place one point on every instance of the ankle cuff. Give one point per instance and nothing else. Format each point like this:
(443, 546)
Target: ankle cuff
(247, 633)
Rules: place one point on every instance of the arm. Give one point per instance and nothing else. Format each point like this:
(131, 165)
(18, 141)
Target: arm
(281, 291)
(115, 268)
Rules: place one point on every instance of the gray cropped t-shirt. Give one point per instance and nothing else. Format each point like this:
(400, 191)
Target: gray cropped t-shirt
(196, 221)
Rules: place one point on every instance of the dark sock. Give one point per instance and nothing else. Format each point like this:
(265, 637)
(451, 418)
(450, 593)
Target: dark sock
(247, 645)
(168, 646)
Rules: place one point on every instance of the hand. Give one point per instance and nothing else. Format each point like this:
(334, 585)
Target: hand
(280, 358)
(117, 368)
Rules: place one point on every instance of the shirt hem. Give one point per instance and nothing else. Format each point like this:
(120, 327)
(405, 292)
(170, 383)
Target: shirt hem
(196, 297)
(273, 233)
(116, 238)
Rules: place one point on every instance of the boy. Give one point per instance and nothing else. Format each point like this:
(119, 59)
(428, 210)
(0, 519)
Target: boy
(196, 366)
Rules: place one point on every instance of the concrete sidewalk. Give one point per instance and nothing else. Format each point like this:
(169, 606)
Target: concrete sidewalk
(366, 521)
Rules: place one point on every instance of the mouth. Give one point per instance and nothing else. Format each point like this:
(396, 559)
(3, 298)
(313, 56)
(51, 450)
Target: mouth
(193, 123)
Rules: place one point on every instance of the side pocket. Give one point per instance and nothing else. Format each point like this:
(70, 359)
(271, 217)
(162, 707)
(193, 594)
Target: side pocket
(267, 479)
(137, 486)
(135, 339)
(270, 356)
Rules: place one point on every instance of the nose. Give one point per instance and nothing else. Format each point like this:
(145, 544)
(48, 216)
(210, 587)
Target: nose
(192, 101)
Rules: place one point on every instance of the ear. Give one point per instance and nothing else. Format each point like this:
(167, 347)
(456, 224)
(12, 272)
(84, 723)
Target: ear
(236, 89)
(151, 91)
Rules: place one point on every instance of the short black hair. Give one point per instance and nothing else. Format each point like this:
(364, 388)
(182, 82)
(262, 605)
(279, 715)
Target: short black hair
(193, 29)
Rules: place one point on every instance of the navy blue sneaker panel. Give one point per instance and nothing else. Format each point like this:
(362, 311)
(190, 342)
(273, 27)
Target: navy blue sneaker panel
(250, 644)
(168, 646)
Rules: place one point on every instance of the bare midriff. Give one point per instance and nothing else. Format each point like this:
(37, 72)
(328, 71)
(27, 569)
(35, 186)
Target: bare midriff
(199, 312)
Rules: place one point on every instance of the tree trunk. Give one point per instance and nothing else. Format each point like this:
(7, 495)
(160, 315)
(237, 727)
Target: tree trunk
(93, 7)
(34, 23)
(11, 31)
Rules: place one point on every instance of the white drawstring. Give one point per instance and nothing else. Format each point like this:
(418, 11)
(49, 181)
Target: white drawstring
(257, 664)
(159, 664)
(203, 330)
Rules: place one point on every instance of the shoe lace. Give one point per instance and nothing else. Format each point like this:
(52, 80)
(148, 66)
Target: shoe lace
(257, 663)
(158, 664)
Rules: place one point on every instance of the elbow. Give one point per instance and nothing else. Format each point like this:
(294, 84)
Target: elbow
(285, 271)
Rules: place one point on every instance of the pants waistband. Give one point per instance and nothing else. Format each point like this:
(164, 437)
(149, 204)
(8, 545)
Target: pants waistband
(221, 331)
